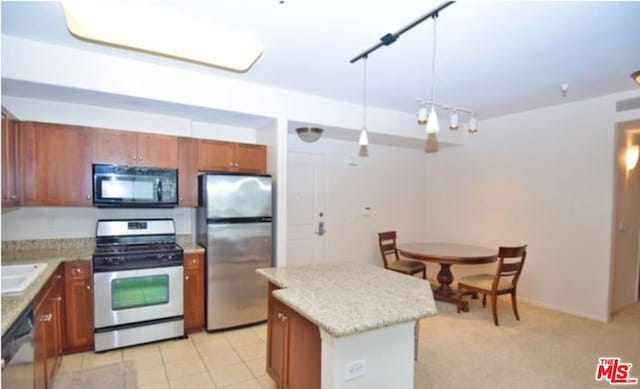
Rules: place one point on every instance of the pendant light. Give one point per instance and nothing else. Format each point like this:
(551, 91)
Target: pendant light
(364, 137)
(433, 127)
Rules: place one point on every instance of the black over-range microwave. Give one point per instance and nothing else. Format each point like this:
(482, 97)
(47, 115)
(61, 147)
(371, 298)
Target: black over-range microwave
(134, 186)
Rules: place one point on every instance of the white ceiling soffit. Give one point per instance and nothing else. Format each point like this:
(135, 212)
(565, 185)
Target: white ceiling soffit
(493, 57)
(38, 91)
(376, 138)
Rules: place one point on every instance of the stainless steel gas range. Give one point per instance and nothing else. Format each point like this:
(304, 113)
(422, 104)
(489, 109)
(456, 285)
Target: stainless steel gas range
(138, 284)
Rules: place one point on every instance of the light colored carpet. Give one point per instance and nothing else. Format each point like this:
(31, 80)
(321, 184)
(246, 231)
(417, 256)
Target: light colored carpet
(120, 375)
(546, 349)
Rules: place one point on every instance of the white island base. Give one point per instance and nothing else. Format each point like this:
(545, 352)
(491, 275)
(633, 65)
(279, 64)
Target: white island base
(379, 358)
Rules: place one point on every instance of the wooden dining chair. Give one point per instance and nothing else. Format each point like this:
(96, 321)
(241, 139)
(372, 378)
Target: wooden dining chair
(505, 280)
(387, 242)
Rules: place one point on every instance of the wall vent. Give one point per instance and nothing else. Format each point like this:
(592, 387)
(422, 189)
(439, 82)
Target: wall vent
(628, 105)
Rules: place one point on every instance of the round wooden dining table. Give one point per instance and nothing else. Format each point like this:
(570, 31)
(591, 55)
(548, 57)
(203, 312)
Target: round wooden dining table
(447, 254)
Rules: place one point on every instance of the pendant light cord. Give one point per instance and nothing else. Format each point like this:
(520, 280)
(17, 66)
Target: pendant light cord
(364, 93)
(433, 63)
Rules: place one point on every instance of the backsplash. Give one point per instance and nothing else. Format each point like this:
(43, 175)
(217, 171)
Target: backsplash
(51, 223)
(48, 244)
(65, 244)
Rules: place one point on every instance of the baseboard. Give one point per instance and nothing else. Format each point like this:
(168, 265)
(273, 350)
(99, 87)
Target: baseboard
(562, 309)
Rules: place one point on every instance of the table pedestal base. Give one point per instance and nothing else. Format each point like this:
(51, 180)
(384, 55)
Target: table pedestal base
(444, 292)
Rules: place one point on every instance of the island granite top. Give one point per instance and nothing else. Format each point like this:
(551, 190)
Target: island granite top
(348, 298)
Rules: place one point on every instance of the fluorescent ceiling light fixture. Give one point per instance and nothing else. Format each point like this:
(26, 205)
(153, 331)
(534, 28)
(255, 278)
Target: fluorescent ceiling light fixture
(148, 27)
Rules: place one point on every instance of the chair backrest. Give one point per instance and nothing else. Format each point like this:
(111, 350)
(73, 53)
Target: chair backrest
(387, 242)
(510, 262)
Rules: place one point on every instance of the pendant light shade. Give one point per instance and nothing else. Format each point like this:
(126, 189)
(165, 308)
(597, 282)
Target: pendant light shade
(454, 124)
(432, 122)
(364, 137)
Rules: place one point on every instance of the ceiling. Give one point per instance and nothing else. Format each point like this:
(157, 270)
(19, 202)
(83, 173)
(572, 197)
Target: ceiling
(495, 58)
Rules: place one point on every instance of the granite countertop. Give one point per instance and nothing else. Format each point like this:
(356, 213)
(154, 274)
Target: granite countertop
(13, 304)
(348, 298)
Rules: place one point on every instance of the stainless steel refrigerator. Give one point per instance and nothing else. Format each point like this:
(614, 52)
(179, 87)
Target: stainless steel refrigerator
(234, 225)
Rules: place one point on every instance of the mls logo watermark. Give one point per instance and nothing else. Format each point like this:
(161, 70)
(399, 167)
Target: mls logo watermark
(614, 371)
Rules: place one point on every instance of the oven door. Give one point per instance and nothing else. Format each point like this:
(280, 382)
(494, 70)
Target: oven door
(131, 296)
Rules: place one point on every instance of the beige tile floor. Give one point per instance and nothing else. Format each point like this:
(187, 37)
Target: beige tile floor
(231, 359)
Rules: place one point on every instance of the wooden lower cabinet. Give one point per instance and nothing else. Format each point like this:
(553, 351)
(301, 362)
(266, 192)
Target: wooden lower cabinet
(293, 347)
(48, 330)
(193, 292)
(79, 306)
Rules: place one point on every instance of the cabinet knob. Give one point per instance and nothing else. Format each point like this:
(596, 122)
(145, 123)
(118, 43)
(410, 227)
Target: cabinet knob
(57, 276)
(284, 317)
(186, 278)
(134, 158)
(194, 261)
(279, 316)
(140, 159)
(13, 197)
(57, 298)
(181, 198)
(231, 164)
(78, 270)
(88, 287)
(235, 164)
(88, 197)
(46, 318)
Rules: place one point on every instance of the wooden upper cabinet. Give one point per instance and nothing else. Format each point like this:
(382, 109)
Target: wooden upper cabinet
(188, 172)
(114, 147)
(56, 164)
(9, 162)
(157, 150)
(232, 157)
(133, 148)
(250, 158)
(215, 155)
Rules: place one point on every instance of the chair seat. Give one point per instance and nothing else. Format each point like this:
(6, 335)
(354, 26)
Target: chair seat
(485, 281)
(405, 266)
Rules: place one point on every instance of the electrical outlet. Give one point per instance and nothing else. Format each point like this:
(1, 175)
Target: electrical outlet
(355, 369)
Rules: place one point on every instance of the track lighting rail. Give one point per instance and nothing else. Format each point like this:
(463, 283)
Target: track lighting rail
(390, 38)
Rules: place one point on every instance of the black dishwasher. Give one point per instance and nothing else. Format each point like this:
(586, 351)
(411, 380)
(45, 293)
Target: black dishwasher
(17, 353)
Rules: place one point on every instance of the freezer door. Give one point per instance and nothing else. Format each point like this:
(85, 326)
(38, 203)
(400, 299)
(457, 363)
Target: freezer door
(236, 294)
(236, 196)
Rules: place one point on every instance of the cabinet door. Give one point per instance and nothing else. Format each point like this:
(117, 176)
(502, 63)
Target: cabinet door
(303, 353)
(40, 344)
(276, 339)
(114, 147)
(215, 155)
(250, 158)
(78, 307)
(9, 163)
(193, 292)
(188, 172)
(56, 164)
(157, 150)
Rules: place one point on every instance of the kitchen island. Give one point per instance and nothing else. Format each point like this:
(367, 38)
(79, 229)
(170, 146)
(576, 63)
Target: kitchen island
(360, 319)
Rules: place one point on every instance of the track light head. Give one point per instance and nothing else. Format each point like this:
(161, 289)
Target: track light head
(473, 125)
(422, 115)
(454, 124)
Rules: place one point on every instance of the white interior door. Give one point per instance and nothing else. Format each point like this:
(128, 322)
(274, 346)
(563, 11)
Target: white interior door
(306, 196)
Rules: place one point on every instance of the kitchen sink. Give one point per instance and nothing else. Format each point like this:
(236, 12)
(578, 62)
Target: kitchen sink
(17, 278)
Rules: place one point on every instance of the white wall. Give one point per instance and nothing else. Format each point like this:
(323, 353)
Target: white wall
(391, 181)
(542, 177)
